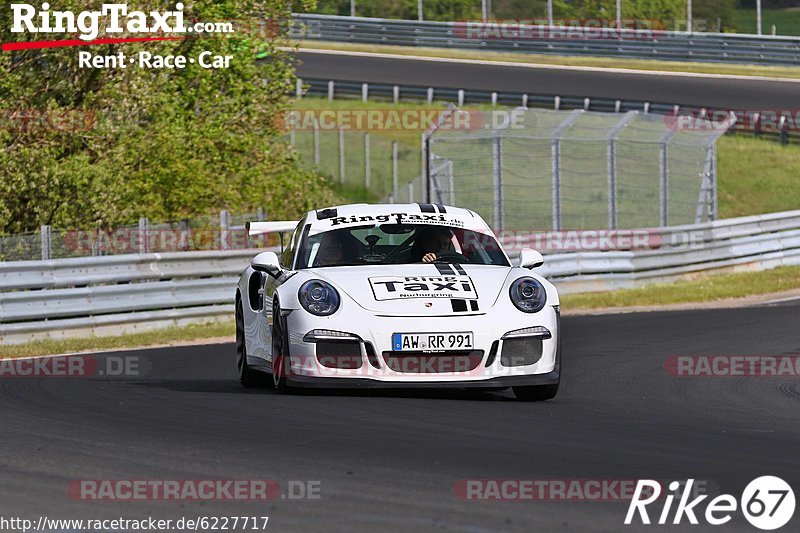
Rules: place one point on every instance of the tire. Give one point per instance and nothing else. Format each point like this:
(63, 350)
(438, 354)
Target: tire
(280, 351)
(247, 376)
(536, 393)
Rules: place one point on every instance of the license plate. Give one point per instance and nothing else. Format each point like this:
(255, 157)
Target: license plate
(432, 342)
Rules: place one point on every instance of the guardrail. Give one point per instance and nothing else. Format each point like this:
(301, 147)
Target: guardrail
(637, 44)
(111, 294)
(780, 131)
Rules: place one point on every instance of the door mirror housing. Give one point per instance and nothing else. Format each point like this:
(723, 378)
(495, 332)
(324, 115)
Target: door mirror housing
(529, 258)
(268, 263)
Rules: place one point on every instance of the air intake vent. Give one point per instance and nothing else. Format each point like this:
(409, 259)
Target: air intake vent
(345, 355)
(522, 351)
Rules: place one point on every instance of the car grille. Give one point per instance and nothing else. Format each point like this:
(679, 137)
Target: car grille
(339, 354)
(521, 352)
(433, 363)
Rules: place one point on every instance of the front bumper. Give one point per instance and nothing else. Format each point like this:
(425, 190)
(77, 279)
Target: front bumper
(305, 369)
(550, 378)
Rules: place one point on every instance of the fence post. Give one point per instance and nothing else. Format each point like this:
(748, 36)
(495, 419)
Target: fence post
(461, 98)
(663, 169)
(784, 125)
(47, 243)
(341, 156)
(224, 224)
(396, 94)
(611, 163)
(713, 164)
(331, 85)
(364, 92)
(144, 235)
(298, 88)
(316, 141)
(186, 236)
(663, 187)
(497, 183)
(557, 103)
(494, 99)
(555, 159)
(525, 100)
(430, 95)
(395, 173)
(367, 163)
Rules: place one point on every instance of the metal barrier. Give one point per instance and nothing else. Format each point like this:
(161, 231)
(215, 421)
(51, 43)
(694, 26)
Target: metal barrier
(776, 128)
(113, 294)
(637, 44)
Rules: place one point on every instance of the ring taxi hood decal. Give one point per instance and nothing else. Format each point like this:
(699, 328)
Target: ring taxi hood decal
(488, 283)
(442, 286)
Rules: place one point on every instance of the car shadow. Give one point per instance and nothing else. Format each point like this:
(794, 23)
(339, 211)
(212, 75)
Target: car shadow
(232, 386)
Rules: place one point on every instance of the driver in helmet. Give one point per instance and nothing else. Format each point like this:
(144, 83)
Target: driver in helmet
(430, 242)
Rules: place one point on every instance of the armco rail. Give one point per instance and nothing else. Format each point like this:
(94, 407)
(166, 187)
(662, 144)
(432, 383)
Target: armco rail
(640, 44)
(106, 295)
(110, 294)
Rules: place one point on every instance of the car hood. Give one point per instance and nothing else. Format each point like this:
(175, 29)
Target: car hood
(419, 289)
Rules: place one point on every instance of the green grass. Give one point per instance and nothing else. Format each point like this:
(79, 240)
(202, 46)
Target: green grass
(707, 289)
(575, 61)
(757, 176)
(786, 21)
(156, 337)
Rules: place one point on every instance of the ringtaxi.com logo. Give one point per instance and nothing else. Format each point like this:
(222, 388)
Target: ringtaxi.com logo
(767, 503)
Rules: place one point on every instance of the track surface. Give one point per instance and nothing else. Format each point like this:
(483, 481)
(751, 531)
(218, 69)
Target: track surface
(388, 461)
(721, 93)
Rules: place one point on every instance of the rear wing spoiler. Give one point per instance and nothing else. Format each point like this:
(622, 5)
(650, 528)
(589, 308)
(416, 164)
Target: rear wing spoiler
(278, 226)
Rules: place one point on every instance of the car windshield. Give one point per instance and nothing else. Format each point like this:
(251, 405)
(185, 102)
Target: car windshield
(394, 244)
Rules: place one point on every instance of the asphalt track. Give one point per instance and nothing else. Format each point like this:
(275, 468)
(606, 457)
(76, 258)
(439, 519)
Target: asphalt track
(720, 93)
(389, 460)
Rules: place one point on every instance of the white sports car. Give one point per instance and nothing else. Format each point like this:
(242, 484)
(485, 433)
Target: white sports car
(414, 295)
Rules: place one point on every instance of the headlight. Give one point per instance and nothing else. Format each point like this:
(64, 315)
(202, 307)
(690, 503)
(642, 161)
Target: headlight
(528, 295)
(318, 297)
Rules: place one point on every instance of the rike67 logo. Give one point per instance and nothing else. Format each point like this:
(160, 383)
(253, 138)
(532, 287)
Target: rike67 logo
(767, 502)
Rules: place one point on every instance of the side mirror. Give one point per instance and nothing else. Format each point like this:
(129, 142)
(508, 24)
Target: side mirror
(267, 262)
(529, 258)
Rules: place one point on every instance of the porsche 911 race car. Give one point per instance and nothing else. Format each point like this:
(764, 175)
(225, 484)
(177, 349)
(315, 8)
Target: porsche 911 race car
(414, 295)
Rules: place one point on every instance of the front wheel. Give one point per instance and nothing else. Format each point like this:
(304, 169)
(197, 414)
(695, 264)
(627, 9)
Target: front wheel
(247, 376)
(536, 393)
(280, 351)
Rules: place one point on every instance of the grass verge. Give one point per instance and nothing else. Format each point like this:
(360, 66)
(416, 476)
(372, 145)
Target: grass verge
(710, 288)
(786, 21)
(158, 337)
(566, 61)
(756, 176)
